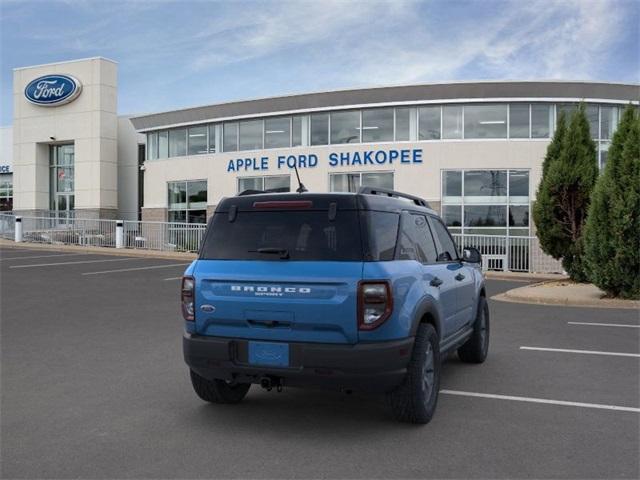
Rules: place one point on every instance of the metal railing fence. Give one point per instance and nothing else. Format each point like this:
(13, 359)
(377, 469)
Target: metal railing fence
(163, 236)
(69, 231)
(517, 254)
(7, 226)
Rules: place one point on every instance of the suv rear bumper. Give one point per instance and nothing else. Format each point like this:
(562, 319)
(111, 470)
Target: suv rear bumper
(368, 367)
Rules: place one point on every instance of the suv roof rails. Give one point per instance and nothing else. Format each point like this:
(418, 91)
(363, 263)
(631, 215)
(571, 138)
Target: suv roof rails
(269, 190)
(392, 193)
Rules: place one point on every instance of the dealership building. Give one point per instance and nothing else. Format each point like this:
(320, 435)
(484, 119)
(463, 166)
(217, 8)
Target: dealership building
(473, 150)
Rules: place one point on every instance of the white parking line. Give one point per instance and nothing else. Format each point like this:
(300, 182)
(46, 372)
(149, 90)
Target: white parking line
(135, 269)
(622, 325)
(588, 352)
(541, 400)
(75, 263)
(41, 256)
(173, 278)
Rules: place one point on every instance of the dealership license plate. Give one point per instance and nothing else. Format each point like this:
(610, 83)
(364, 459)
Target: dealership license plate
(269, 354)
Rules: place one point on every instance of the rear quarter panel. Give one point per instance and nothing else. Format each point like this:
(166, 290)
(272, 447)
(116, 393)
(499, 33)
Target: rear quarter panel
(410, 293)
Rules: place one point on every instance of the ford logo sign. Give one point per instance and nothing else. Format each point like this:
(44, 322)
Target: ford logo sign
(53, 90)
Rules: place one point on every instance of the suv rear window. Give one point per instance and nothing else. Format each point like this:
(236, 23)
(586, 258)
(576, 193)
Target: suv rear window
(266, 235)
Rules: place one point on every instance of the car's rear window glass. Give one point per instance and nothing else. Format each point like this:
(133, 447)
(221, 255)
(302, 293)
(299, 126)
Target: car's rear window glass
(303, 235)
(382, 234)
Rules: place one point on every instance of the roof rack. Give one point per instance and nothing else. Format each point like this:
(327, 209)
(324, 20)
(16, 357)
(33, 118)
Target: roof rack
(392, 193)
(258, 192)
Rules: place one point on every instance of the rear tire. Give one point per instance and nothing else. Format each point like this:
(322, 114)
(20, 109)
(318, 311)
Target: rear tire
(218, 391)
(475, 349)
(415, 400)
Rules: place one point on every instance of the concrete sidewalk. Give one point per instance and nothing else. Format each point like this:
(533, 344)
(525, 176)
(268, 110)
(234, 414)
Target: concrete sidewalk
(565, 292)
(128, 252)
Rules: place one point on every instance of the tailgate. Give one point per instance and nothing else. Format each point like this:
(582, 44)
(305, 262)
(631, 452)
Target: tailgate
(298, 301)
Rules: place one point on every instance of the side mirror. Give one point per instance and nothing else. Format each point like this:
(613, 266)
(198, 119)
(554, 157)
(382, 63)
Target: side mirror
(471, 255)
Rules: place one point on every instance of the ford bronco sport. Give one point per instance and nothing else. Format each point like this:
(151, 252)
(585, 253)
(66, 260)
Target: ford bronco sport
(355, 291)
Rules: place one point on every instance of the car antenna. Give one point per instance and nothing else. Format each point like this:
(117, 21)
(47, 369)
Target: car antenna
(301, 188)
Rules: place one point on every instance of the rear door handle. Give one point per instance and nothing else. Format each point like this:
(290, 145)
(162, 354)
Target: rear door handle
(459, 277)
(436, 282)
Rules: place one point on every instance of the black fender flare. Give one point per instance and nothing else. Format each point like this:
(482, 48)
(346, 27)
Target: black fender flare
(427, 307)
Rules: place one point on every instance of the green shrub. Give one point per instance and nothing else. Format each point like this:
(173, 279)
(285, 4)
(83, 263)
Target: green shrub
(612, 233)
(569, 174)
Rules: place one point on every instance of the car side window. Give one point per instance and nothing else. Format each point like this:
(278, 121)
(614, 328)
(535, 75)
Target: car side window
(416, 242)
(447, 251)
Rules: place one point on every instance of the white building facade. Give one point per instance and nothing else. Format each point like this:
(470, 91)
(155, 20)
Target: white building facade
(473, 150)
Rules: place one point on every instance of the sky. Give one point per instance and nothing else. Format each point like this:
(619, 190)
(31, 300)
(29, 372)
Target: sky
(176, 54)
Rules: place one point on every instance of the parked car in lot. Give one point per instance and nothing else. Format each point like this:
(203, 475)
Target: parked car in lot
(355, 291)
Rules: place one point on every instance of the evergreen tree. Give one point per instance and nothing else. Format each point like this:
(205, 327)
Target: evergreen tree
(543, 211)
(612, 233)
(563, 197)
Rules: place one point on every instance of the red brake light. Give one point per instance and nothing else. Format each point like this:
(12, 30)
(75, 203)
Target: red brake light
(375, 304)
(284, 204)
(187, 294)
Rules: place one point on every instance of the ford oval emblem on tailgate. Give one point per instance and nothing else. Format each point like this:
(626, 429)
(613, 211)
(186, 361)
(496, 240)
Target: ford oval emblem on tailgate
(208, 308)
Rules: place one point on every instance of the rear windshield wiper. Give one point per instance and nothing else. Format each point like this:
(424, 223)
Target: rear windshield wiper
(283, 252)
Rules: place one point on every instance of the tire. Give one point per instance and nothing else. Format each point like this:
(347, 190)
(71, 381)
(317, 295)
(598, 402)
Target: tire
(414, 401)
(475, 349)
(218, 391)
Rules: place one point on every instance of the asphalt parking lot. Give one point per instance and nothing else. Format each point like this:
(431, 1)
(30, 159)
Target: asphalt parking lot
(94, 386)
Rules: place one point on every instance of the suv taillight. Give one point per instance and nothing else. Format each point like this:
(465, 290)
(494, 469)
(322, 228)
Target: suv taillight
(375, 304)
(187, 295)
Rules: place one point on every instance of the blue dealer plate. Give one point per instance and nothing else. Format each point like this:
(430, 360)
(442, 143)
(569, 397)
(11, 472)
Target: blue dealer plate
(267, 353)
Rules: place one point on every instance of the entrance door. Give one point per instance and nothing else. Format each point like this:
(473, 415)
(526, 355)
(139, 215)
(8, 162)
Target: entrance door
(62, 181)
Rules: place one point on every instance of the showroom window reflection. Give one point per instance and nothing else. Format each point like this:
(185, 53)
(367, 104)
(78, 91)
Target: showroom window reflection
(352, 181)
(278, 183)
(187, 201)
(486, 202)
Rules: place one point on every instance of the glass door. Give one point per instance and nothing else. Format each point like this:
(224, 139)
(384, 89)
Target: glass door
(62, 177)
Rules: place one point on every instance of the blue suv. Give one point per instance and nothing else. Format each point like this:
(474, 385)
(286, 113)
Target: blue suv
(355, 291)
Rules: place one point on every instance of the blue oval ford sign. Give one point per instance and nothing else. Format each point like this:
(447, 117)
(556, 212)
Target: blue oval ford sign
(52, 90)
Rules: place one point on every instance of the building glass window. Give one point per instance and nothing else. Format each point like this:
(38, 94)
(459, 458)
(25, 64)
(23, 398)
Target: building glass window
(592, 116)
(429, 123)
(187, 201)
(541, 120)
(197, 140)
(604, 152)
(351, 182)
(296, 131)
(251, 135)
(452, 185)
(485, 121)
(152, 146)
(452, 215)
(345, 127)
(482, 205)
(6, 192)
(452, 121)
(608, 122)
(212, 138)
(377, 125)
(277, 132)
(519, 120)
(519, 186)
(485, 216)
(519, 216)
(178, 142)
(320, 129)
(61, 179)
(230, 137)
(403, 124)
(281, 183)
(482, 186)
(163, 144)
